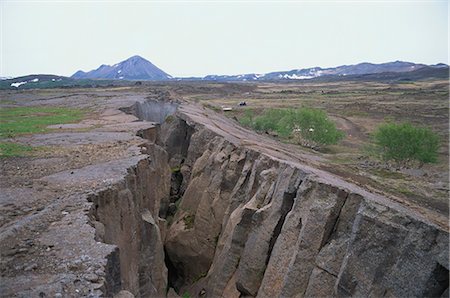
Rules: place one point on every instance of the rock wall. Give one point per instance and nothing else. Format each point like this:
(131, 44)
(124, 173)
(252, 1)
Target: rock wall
(126, 215)
(247, 224)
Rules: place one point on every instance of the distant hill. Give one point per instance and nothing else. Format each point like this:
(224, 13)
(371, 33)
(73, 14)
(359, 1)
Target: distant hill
(133, 68)
(360, 69)
(44, 81)
(33, 81)
(423, 73)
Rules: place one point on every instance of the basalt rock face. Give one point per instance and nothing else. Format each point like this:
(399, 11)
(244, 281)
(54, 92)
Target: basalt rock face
(126, 215)
(248, 224)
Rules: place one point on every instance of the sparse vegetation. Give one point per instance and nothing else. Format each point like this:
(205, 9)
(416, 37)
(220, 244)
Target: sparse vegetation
(169, 119)
(405, 142)
(200, 276)
(307, 126)
(175, 170)
(212, 107)
(23, 120)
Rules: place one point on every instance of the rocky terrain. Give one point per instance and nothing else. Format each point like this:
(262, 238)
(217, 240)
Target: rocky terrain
(155, 195)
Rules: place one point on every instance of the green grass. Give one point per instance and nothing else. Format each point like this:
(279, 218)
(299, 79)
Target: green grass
(25, 120)
(8, 149)
(405, 191)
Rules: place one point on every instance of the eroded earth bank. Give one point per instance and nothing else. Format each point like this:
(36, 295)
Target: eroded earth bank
(199, 206)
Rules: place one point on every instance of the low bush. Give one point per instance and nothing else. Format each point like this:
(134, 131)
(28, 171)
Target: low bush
(307, 126)
(405, 142)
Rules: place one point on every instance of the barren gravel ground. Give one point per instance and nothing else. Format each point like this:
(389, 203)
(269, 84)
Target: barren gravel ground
(44, 233)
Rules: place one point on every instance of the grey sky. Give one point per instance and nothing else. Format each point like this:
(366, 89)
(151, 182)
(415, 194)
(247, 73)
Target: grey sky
(186, 38)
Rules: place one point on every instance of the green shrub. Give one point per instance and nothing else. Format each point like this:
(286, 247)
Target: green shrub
(307, 126)
(405, 142)
(247, 119)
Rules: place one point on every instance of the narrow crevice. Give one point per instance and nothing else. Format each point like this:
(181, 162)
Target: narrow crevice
(325, 270)
(286, 207)
(112, 273)
(175, 278)
(438, 282)
(188, 132)
(329, 235)
(170, 207)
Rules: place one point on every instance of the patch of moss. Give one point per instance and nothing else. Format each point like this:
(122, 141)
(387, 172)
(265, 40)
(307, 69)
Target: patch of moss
(169, 119)
(175, 169)
(189, 221)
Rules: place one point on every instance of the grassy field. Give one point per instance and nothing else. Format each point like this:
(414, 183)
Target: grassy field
(17, 121)
(9, 149)
(25, 120)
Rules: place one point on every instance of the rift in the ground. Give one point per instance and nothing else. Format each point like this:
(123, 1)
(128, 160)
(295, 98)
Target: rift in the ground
(162, 195)
(240, 223)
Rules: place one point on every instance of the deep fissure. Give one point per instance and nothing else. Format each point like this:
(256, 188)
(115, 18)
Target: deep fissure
(176, 146)
(175, 278)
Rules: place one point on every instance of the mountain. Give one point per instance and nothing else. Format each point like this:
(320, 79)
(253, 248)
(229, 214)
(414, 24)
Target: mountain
(360, 69)
(138, 68)
(134, 68)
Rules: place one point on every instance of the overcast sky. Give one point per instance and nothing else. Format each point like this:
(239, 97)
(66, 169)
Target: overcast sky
(196, 38)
